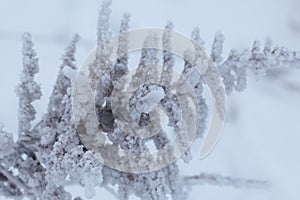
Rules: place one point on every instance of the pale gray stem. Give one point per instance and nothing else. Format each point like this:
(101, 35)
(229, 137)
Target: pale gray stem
(219, 180)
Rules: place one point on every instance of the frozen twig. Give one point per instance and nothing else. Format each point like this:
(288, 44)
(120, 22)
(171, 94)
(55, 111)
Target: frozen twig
(219, 180)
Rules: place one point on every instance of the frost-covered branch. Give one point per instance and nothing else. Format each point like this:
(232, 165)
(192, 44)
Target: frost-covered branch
(217, 48)
(219, 180)
(28, 90)
(63, 83)
(121, 67)
(103, 47)
(258, 60)
(50, 156)
(147, 69)
(168, 58)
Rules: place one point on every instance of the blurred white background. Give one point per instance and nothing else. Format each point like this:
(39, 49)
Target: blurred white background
(261, 138)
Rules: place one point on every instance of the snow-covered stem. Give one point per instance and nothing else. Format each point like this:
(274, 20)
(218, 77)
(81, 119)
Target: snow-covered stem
(195, 35)
(147, 69)
(168, 57)
(217, 48)
(28, 90)
(103, 32)
(68, 57)
(123, 40)
(219, 180)
(121, 66)
(56, 106)
(103, 47)
(258, 61)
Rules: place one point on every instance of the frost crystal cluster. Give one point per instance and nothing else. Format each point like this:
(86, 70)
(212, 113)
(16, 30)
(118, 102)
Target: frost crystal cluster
(50, 156)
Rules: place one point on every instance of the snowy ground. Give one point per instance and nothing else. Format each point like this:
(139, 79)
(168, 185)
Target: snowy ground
(261, 138)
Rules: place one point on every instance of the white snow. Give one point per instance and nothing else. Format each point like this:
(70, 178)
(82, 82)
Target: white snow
(70, 73)
(146, 103)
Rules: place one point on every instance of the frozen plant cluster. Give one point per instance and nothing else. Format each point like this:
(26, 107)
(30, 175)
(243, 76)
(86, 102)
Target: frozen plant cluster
(48, 157)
